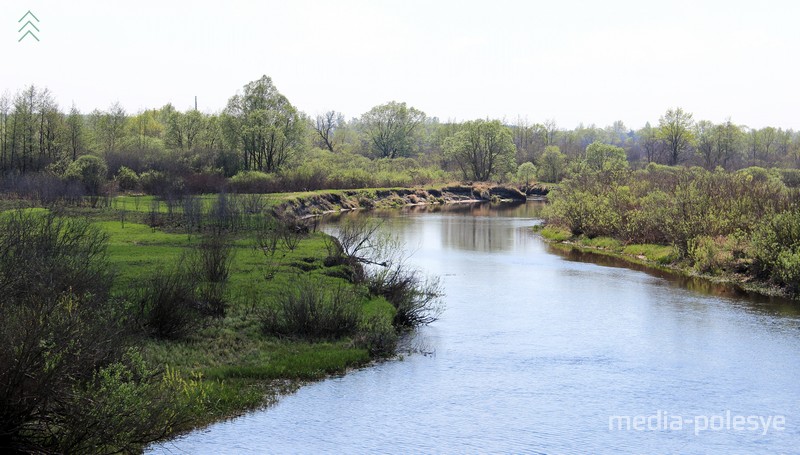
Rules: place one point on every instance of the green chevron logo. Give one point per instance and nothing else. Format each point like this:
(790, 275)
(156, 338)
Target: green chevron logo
(28, 26)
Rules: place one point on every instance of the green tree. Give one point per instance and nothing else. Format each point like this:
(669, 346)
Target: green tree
(704, 132)
(390, 128)
(110, 127)
(551, 165)
(729, 139)
(675, 129)
(143, 128)
(605, 157)
(35, 130)
(526, 172)
(649, 143)
(183, 129)
(75, 134)
(481, 148)
(263, 125)
(90, 170)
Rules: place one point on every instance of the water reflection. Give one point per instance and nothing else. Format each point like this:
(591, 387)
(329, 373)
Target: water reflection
(535, 351)
(734, 294)
(466, 226)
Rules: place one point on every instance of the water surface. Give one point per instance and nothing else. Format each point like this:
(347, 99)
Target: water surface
(536, 350)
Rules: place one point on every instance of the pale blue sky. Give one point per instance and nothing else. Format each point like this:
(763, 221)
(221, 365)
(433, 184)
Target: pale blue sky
(571, 61)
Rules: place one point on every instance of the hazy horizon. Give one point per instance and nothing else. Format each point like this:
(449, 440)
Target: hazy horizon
(572, 62)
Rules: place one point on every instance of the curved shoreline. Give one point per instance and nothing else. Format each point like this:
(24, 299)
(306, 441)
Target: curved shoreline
(741, 285)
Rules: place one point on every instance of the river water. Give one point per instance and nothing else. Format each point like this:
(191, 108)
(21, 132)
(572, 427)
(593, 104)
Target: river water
(540, 351)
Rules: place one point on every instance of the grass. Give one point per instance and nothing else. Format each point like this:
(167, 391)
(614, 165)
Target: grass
(236, 363)
(299, 361)
(555, 233)
(229, 362)
(662, 254)
(603, 243)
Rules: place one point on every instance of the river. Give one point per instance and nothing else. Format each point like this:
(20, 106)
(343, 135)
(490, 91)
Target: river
(540, 351)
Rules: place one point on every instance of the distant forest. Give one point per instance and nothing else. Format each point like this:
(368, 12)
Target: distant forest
(260, 141)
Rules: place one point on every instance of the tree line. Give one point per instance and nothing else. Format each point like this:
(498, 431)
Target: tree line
(743, 224)
(259, 130)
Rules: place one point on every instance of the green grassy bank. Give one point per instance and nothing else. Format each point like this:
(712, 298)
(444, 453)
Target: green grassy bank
(664, 258)
(223, 364)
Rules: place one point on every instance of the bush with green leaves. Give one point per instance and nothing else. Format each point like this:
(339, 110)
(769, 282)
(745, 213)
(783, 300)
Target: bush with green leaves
(90, 171)
(64, 356)
(776, 248)
(710, 254)
(161, 184)
(667, 205)
(127, 179)
(377, 335)
(253, 182)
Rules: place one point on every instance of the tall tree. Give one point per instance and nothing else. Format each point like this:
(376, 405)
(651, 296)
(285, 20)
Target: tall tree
(110, 127)
(753, 145)
(675, 129)
(705, 133)
(551, 165)
(263, 125)
(76, 142)
(769, 136)
(649, 142)
(551, 131)
(481, 149)
(729, 139)
(144, 127)
(390, 128)
(605, 157)
(326, 126)
(5, 110)
(182, 129)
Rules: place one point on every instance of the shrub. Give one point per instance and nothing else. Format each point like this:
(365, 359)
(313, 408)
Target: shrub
(58, 328)
(416, 298)
(122, 408)
(377, 335)
(224, 214)
(790, 177)
(787, 270)
(776, 246)
(253, 182)
(710, 254)
(168, 306)
(127, 179)
(211, 264)
(310, 310)
(755, 173)
(206, 182)
(90, 171)
(161, 184)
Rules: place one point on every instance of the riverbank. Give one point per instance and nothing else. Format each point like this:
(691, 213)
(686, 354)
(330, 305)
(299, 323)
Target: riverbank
(309, 204)
(223, 365)
(660, 258)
